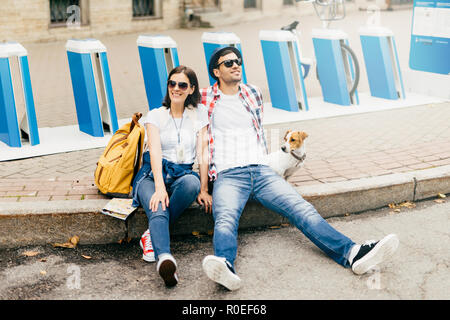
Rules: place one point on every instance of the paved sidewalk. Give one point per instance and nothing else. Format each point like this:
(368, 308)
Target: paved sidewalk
(338, 149)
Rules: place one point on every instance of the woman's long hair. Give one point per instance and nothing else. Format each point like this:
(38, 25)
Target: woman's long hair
(192, 99)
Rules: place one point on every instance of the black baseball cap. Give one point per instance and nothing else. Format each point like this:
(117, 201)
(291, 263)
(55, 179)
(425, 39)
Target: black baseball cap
(216, 55)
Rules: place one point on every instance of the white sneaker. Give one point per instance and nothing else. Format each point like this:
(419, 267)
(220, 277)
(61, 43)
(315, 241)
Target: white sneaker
(219, 270)
(146, 245)
(372, 253)
(166, 268)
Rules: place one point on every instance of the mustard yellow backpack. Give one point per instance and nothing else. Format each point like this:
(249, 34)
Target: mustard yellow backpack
(121, 160)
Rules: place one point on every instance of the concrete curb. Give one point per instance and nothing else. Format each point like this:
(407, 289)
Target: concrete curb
(55, 221)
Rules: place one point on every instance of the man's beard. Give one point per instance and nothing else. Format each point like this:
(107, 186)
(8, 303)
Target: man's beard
(232, 80)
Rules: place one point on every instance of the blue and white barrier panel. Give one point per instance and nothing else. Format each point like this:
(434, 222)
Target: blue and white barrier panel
(335, 71)
(284, 70)
(158, 55)
(11, 132)
(381, 60)
(92, 90)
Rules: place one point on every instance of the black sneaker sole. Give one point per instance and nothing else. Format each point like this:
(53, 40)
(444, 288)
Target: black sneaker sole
(167, 272)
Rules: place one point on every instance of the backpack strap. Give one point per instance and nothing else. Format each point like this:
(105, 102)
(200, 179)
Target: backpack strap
(139, 152)
(135, 120)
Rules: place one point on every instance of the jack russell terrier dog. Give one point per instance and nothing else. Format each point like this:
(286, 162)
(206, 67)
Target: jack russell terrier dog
(291, 155)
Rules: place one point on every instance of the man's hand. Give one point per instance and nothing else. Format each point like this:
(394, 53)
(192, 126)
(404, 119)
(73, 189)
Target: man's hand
(205, 199)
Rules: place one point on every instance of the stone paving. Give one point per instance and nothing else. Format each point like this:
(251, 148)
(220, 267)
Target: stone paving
(338, 149)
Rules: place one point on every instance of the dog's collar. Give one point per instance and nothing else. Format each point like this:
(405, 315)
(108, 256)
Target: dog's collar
(300, 159)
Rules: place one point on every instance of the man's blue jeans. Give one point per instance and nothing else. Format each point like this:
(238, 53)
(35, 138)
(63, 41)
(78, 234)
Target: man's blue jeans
(182, 192)
(235, 186)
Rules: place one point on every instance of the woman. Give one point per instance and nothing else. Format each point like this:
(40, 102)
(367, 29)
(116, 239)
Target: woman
(166, 185)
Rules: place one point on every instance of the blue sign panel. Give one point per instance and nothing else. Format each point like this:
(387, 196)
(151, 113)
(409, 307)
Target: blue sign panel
(430, 36)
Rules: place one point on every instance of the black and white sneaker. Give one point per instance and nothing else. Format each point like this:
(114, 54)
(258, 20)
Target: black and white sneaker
(166, 268)
(220, 270)
(372, 253)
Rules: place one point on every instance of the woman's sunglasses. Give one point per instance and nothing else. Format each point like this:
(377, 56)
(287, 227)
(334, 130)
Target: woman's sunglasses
(229, 63)
(182, 85)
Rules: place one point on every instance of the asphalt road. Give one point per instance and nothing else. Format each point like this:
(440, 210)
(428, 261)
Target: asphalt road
(274, 264)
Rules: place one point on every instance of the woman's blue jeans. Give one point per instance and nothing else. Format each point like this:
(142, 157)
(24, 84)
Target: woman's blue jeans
(235, 186)
(182, 192)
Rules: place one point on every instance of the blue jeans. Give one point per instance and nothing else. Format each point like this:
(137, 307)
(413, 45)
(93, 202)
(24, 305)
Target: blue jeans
(182, 192)
(235, 186)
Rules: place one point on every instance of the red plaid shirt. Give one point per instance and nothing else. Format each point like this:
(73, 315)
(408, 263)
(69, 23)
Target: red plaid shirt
(251, 98)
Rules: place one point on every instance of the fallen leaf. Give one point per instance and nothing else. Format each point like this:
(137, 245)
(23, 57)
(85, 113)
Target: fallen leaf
(406, 204)
(195, 233)
(441, 195)
(285, 224)
(124, 240)
(64, 245)
(275, 227)
(43, 272)
(86, 257)
(71, 244)
(30, 253)
(439, 201)
(396, 210)
(74, 240)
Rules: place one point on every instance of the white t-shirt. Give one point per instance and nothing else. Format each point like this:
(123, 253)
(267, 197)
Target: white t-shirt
(189, 125)
(235, 140)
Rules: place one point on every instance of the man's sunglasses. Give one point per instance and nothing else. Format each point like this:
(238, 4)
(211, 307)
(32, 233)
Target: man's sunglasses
(229, 63)
(182, 85)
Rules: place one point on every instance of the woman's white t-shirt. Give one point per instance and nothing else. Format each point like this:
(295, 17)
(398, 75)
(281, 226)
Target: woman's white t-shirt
(193, 120)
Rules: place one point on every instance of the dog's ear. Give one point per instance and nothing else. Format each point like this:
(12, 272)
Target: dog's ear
(287, 132)
(303, 135)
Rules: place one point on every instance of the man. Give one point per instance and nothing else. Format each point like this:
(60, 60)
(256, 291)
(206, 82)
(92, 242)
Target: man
(237, 167)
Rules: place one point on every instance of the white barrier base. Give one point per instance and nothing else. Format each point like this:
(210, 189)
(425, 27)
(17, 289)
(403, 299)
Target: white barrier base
(70, 138)
(321, 109)
(57, 140)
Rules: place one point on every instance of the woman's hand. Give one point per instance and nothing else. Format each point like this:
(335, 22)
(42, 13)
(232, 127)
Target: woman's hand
(160, 195)
(205, 199)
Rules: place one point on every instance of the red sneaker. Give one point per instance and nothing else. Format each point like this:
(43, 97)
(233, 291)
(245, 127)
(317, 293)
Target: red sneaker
(146, 245)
